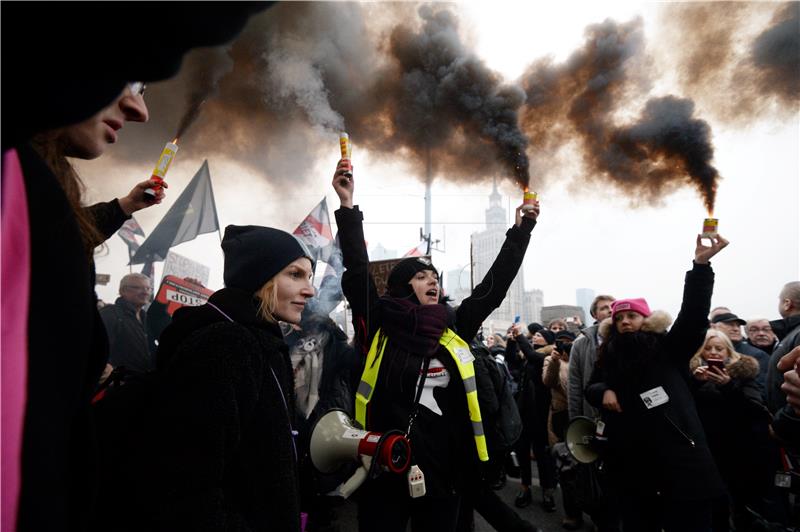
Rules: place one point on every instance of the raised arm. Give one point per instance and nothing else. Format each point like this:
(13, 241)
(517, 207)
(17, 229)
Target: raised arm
(688, 332)
(491, 291)
(357, 284)
(109, 217)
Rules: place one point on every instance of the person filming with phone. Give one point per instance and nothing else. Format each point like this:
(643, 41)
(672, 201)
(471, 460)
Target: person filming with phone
(736, 422)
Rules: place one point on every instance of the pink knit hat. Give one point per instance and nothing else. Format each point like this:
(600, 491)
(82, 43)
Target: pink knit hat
(636, 305)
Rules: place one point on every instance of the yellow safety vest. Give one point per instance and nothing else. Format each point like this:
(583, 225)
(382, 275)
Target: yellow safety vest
(463, 358)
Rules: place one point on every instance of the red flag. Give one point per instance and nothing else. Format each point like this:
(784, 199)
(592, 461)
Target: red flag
(421, 250)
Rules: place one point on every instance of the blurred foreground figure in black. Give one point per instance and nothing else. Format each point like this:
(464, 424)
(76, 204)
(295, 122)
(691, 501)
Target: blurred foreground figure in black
(80, 68)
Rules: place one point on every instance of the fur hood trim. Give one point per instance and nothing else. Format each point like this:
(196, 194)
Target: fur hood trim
(657, 322)
(743, 368)
(546, 350)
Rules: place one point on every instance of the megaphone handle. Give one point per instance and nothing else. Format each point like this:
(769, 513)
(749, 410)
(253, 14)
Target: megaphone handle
(350, 485)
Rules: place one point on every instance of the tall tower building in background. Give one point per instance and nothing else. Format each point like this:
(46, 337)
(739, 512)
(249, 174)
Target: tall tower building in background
(485, 247)
(584, 298)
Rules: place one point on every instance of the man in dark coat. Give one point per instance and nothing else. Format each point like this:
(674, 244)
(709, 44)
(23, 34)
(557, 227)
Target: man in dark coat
(788, 332)
(731, 325)
(124, 322)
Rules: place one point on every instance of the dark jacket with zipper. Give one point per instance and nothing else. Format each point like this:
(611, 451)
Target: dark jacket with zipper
(443, 446)
(663, 448)
(225, 457)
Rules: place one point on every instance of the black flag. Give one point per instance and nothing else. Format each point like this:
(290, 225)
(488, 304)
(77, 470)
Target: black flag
(193, 213)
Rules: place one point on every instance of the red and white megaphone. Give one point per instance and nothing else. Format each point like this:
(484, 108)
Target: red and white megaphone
(336, 440)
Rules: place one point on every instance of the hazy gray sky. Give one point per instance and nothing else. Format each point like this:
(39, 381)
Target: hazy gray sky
(589, 235)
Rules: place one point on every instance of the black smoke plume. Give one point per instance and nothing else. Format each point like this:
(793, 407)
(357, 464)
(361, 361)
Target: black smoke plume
(735, 71)
(667, 146)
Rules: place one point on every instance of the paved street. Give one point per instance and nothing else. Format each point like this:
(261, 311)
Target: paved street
(549, 522)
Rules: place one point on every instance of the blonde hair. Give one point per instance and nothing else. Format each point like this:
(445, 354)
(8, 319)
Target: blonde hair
(733, 356)
(498, 340)
(268, 301)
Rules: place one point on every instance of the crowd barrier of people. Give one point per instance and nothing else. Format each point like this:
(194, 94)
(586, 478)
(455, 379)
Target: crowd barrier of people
(697, 424)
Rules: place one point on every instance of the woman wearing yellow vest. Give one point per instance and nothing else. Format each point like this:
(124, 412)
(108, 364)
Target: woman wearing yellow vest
(418, 375)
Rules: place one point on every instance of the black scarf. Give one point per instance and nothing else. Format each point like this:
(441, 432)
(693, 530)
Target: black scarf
(413, 327)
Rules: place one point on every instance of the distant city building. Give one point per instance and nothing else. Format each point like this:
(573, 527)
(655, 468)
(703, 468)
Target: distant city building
(485, 247)
(381, 253)
(584, 298)
(532, 306)
(457, 284)
(564, 312)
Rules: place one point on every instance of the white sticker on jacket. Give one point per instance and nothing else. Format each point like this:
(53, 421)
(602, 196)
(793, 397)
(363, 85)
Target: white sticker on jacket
(437, 376)
(464, 355)
(655, 397)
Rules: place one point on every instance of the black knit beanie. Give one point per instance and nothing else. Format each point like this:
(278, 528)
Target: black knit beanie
(535, 327)
(549, 336)
(254, 255)
(397, 283)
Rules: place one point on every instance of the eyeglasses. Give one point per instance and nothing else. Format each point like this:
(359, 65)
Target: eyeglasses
(139, 288)
(759, 329)
(137, 87)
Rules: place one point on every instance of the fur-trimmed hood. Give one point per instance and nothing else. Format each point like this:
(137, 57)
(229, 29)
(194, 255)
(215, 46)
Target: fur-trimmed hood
(546, 350)
(745, 368)
(657, 322)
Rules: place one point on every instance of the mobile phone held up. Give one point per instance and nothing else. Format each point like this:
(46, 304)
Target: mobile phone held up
(715, 363)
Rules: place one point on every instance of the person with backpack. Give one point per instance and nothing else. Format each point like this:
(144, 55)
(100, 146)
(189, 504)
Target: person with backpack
(503, 427)
(418, 373)
(224, 450)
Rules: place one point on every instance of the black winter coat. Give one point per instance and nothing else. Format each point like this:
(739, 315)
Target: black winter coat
(66, 356)
(225, 456)
(736, 423)
(127, 338)
(443, 446)
(533, 397)
(663, 448)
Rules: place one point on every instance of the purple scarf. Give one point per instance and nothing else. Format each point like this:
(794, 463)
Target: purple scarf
(413, 327)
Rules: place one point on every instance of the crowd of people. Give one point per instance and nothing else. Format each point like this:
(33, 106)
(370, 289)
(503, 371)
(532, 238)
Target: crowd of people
(697, 424)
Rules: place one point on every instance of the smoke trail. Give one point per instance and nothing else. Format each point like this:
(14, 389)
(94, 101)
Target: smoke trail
(580, 99)
(666, 144)
(776, 55)
(204, 68)
(442, 98)
(734, 68)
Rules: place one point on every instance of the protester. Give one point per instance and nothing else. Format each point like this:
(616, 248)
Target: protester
(124, 323)
(656, 454)
(226, 456)
(731, 324)
(534, 407)
(760, 335)
(57, 361)
(480, 496)
(66, 357)
(736, 423)
(420, 341)
(583, 357)
(786, 423)
(788, 332)
(556, 376)
(325, 378)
